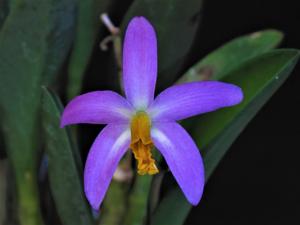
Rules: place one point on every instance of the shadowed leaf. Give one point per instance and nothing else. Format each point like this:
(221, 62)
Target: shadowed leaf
(4, 8)
(65, 174)
(3, 189)
(60, 38)
(215, 132)
(28, 40)
(229, 56)
(88, 26)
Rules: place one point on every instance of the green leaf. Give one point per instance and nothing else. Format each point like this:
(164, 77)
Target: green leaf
(87, 29)
(4, 8)
(24, 59)
(229, 56)
(60, 37)
(65, 176)
(3, 190)
(114, 206)
(138, 200)
(172, 210)
(175, 22)
(155, 190)
(214, 133)
(259, 79)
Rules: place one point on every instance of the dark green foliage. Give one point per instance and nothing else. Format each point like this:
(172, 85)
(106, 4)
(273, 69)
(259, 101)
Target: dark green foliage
(64, 173)
(229, 56)
(87, 28)
(27, 56)
(40, 40)
(259, 78)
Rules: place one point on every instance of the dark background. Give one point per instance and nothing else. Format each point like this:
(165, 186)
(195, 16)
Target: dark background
(257, 182)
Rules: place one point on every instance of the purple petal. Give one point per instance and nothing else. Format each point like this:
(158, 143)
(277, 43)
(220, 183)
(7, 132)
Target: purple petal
(102, 161)
(139, 62)
(98, 107)
(185, 100)
(182, 157)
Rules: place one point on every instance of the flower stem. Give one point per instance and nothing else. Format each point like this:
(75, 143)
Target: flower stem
(29, 209)
(116, 40)
(114, 204)
(116, 196)
(138, 200)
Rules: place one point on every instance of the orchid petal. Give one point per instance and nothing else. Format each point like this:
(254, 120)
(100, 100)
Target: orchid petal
(98, 107)
(102, 161)
(140, 62)
(185, 100)
(182, 157)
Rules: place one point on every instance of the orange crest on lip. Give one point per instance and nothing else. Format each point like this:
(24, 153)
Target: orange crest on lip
(141, 144)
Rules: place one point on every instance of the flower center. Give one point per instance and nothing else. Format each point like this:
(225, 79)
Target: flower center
(141, 143)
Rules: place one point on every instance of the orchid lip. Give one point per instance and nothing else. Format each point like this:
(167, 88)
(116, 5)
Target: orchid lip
(141, 143)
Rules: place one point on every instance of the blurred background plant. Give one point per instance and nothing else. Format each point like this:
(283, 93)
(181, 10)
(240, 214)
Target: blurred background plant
(53, 50)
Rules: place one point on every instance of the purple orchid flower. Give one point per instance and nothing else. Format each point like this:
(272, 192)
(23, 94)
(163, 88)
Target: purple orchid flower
(141, 122)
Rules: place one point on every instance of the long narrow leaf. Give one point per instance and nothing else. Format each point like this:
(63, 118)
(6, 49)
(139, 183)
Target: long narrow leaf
(88, 26)
(4, 7)
(29, 38)
(215, 132)
(3, 190)
(229, 56)
(65, 177)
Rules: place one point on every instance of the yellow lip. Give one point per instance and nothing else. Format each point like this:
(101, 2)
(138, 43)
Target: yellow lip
(141, 143)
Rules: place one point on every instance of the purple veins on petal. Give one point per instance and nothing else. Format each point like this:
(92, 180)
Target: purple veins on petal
(140, 62)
